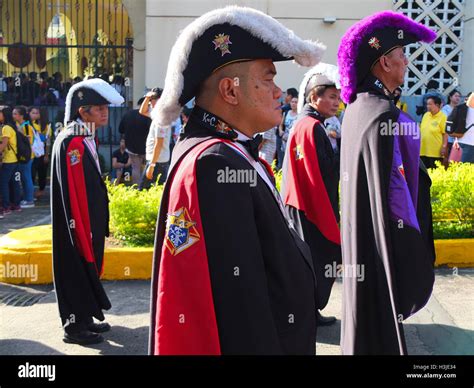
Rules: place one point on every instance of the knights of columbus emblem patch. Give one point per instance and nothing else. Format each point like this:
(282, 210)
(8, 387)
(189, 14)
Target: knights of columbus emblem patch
(181, 231)
(222, 42)
(74, 157)
(298, 152)
(402, 171)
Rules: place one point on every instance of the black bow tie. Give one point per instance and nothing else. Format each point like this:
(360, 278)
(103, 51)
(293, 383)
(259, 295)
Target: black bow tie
(252, 145)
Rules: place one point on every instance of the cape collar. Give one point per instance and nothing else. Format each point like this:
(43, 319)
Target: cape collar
(309, 110)
(202, 121)
(373, 85)
(79, 128)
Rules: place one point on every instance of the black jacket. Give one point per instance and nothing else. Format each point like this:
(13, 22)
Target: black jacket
(271, 309)
(383, 232)
(324, 252)
(135, 128)
(456, 122)
(78, 288)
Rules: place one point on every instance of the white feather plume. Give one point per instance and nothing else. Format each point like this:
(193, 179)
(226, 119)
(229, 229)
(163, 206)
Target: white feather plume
(269, 30)
(97, 84)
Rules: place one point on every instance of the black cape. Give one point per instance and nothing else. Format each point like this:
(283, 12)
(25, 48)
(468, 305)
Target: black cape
(244, 227)
(79, 292)
(323, 251)
(396, 255)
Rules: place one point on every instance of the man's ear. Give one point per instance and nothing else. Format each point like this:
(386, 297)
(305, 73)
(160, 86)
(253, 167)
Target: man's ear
(228, 90)
(82, 111)
(384, 62)
(313, 98)
(470, 101)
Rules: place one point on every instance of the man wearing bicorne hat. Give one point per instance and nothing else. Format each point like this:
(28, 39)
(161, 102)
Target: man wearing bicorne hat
(80, 214)
(385, 200)
(230, 274)
(311, 178)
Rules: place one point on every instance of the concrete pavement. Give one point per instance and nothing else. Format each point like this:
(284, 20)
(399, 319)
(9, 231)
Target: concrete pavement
(444, 327)
(39, 215)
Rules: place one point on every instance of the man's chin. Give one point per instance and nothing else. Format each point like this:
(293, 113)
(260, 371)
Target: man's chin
(276, 123)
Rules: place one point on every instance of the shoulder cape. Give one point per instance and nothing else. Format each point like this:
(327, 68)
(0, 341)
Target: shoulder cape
(304, 185)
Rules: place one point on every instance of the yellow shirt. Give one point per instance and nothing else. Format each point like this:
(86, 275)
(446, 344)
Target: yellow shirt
(46, 132)
(402, 106)
(340, 108)
(432, 128)
(9, 153)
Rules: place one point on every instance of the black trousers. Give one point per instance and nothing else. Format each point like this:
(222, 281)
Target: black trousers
(160, 169)
(430, 161)
(39, 168)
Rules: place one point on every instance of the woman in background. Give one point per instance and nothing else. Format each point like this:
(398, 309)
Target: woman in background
(20, 115)
(9, 170)
(39, 119)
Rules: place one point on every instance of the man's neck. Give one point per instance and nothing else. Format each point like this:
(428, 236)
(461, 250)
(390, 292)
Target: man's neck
(389, 84)
(231, 120)
(317, 111)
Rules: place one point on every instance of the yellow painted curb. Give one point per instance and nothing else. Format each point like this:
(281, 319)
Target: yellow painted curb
(25, 257)
(455, 253)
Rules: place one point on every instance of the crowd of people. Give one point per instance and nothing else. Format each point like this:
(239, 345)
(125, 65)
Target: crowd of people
(43, 89)
(25, 147)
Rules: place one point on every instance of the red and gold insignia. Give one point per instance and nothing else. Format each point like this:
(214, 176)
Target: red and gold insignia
(402, 171)
(298, 152)
(222, 42)
(222, 127)
(74, 157)
(374, 43)
(181, 231)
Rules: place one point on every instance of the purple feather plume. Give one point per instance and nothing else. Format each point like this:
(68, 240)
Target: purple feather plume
(352, 39)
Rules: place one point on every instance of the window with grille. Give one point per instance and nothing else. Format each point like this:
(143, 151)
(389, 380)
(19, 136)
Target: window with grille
(440, 60)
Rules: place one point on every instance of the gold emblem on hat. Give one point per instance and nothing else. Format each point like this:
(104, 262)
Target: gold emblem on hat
(222, 42)
(374, 43)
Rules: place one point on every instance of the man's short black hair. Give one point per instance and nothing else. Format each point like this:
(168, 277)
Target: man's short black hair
(435, 99)
(157, 92)
(292, 92)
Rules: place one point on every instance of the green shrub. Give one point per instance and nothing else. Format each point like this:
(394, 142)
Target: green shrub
(133, 213)
(278, 176)
(447, 230)
(452, 193)
(452, 200)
